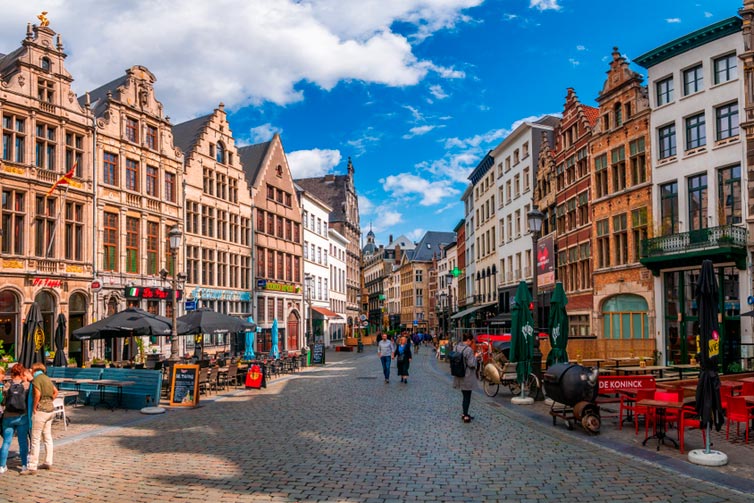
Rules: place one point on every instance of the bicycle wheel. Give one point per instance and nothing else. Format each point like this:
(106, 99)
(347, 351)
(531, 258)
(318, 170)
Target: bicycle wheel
(531, 386)
(490, 388)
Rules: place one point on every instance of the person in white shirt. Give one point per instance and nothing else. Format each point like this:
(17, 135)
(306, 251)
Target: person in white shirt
(385, 352)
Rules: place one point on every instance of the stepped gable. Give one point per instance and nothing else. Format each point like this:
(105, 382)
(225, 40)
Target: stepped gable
(186, 134)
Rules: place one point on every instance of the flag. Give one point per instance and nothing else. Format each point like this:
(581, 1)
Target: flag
(63, 180)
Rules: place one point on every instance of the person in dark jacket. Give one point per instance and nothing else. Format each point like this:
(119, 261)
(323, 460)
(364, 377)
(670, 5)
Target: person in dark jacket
(15, 422)
(468, 382)
(403, 358)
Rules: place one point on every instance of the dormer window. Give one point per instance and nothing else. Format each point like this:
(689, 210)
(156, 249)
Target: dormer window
(279, 170)
(46, 64)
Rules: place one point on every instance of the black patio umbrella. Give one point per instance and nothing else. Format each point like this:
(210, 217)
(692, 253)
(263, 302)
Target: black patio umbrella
(708, 402)
(127, 323)
(33, 338)
(206, 321)
(59, 340)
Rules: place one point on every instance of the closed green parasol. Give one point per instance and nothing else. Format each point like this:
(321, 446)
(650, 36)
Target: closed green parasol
(558, 326)
(522, 334)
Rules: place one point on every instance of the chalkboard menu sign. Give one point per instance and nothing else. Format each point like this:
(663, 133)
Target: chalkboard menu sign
(318, 354)
(184, 385)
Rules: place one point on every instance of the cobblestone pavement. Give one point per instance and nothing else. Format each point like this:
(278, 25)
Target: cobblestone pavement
(339, 433)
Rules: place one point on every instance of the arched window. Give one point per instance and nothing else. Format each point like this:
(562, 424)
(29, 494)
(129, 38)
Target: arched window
(9, 318)
(46, 64)
(220, 153)
(625, 317)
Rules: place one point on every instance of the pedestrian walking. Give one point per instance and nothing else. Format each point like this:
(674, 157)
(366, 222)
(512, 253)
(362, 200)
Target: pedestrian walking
(41, 420)
(15, 418)
(385, 352)
(417, 339)
(466, 384)
(403, 358)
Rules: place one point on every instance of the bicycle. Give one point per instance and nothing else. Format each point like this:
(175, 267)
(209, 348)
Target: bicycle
(495, 370)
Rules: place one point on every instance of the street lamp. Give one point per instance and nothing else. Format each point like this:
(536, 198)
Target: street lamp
(449, 284)
(535, 218)
(174, 237)
(309, 279)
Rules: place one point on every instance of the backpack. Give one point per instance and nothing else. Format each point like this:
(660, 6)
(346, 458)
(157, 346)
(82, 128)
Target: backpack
(15, 399)
(457, 363)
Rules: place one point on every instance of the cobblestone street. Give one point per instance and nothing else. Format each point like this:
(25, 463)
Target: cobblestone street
(339, 433)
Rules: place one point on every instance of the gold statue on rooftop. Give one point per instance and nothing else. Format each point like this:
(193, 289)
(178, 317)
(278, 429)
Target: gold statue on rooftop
(43, 21)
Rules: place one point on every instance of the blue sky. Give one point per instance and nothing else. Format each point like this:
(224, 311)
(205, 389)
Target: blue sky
(414, 91)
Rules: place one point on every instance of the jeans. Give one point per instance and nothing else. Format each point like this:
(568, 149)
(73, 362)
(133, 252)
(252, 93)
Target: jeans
(41, 429)
(385, 366)
(20, 426)
(466, 401)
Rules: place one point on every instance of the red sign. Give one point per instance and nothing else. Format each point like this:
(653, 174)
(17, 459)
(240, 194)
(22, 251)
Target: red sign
(614, 384)
(47, 282)
(151, 292)
(96, 285)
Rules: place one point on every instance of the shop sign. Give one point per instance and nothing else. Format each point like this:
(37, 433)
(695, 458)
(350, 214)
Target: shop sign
(47, 282)
(96, 285)
(278, 287)
(215, 294)
(151, 292)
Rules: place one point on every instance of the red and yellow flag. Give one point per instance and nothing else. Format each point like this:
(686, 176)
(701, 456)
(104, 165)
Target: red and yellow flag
(63, 180)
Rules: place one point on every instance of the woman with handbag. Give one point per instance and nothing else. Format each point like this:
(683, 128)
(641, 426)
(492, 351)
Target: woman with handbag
(403, 358)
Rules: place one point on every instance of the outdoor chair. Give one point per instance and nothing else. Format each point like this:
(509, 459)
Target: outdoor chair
(726, 392)
(671, 416)
(629, 404)
(689, 419)
(739, 412)
(213, 378)
(204, 384)
(232, 375)
(59, 411)
(747, 389)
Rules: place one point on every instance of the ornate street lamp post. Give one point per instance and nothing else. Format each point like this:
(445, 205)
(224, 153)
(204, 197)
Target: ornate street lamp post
(174, 237)
(535, 218)
(309, 279)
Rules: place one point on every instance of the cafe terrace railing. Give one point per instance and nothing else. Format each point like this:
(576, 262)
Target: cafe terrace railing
(711, 237)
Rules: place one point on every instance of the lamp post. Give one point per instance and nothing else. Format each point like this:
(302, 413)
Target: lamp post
(174, 236)
(535, 218)
(309, 279)
(449, 285)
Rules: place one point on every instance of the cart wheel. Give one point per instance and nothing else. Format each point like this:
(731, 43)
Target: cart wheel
(490, 388)
(591, 423)
(531, 386)
(569, 425)
(515, 388)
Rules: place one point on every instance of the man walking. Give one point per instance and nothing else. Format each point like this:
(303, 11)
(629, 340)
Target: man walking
(385, 352)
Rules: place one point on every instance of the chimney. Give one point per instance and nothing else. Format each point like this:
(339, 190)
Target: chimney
(390, 241)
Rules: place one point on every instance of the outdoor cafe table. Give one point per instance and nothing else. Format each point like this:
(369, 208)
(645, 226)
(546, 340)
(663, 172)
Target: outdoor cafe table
(594, 360)
(103, 384)
(681, 367)
(746, 379)
(660, 407)
(648, 369)
(624, 359)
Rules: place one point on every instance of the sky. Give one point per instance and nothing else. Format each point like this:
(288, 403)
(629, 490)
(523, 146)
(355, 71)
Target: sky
(415, 92)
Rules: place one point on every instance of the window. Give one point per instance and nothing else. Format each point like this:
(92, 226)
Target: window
(45, 90)
(132, 244)
(726, 120)
(618, 168)
(45, 64)
(525, 150)
(44, 225)
(669, 208)
(151, 137)
(695, 132)
(74, 152)
(151, 187)
(729, 195)
(620, 236)
(582, 163)
(44, 157)
(220, 156)
(639, 223)
(693, 80)
(618, 114)
(516, 186)
(508, 192)
(208, 181)
(419, 278)
(74, 231)
(132, 175)
(625, 317)
(725, 68)
(515, 157)
(13, 138)
(110, 242)
(603, 243)
(110, 169)
(527, 182)
(638, 161)
(697, 203)
(14, 216)
(667, 141)
(664, 91)
(132, 130)
(153, 247)
(600, 174)
(583, 206)
(170, 187)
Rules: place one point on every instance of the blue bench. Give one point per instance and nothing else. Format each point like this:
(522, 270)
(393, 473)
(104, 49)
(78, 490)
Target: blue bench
(85, 390)
(147, 383)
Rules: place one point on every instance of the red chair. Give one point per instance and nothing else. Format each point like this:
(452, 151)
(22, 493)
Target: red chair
(689, 419)
(739, 412)
(748, 389)
(725, 393)
(628, 403)
(672, 416)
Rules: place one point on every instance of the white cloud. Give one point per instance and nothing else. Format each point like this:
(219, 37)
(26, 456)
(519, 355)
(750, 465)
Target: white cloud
(419, 131)
(263, 133)
(416, 234)
(574, 62)
(509, 17)
(707, 14)
(361, 144)
(543, 5)
(580, 48)
(476, 140)
(415, 113)
(406, 184)
(311, 163)
(244, 52)
(673, 20)
(438, 92)
(366, 206)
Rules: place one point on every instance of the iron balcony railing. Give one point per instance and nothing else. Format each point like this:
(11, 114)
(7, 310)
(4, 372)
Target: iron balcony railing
(711, 237)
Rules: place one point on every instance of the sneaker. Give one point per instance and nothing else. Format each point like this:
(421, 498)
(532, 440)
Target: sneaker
(3, 469)
(387, 381)
(28, 472)
(24, 468)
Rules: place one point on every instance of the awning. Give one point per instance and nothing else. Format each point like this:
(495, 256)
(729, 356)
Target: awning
(326, 312)
(461, 314)
(500, 319)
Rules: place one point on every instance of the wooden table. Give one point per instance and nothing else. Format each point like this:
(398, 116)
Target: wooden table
(594, 360)
(660, 407)
(684, 366)
(648, 369)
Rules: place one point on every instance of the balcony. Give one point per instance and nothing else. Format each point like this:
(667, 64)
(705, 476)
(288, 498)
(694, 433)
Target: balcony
(726, 243)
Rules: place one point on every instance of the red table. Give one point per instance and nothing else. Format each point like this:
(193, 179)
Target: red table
(660, 406)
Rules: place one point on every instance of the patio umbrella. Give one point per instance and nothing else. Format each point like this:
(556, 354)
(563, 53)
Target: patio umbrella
(59, 340)
(708, 403)
(558, 325)
(248, 353)
(522, 334)
(206, 321)
(126, 323)
(33, 338)
(275, 350)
